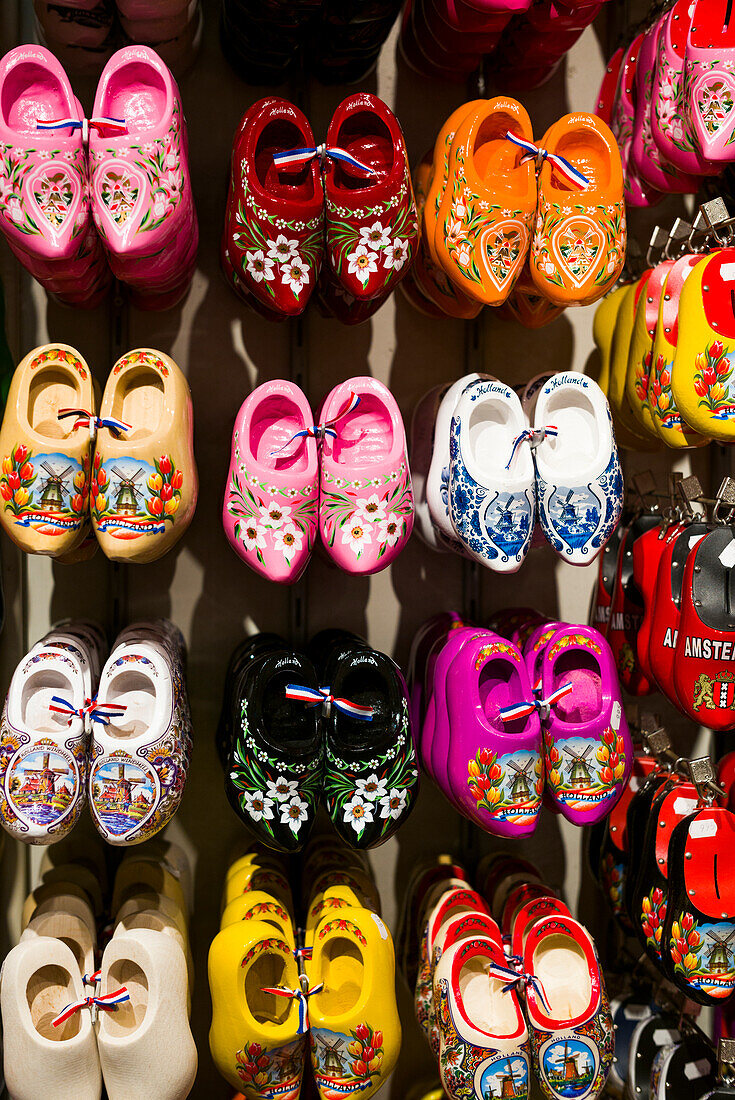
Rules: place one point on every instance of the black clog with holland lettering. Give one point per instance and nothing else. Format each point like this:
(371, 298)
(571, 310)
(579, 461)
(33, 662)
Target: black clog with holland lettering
(704, 673)
(699, 934)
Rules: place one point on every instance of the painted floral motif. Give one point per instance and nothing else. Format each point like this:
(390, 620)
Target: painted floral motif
(653, 917)
(509, 787)
(341, 925)
(375, 243)
(269, 517)
(272, 944)
(703, 954)
(714, 102)
(579, 244)
(377, 800)
(572, 639)
(642, 372)
(47, 492)
(268, 1073)
(660, 397)
(670, 94)
(270, 793)
(160, 162)
(274, 260)
(713, 370)
(52, 191)
(368, 513)
(144, 358)
(582, 774)
(55, 354)
(612, 880)
(571, 515)
(131, 497)
(346, 1063)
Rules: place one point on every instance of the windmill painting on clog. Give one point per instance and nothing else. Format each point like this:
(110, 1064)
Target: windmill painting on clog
(491, 477)
(709, 87)
(578, 477)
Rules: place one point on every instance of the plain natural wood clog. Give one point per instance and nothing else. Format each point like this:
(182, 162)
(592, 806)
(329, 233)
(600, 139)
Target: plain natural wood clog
(71, 928)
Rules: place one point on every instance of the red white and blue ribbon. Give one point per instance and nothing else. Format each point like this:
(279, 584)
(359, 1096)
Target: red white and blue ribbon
(107, 1001)
(326, 428)
(528, 706)
(65, 707)
(302, 995)
(322, 696)
(534, 436)
(92, 979)
(98, 712)
(105, 127)
(295, 157)
(564, 167)
(86, 419)
(514, 978)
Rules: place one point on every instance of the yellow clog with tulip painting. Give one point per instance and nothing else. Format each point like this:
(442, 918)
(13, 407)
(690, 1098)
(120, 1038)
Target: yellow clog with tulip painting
(330, 901)
(144, 481)
(485, 219)
(640, 354)
(45, 451)
(353, 1011)
(702, 379)
(258, 1037)
(440, 168)
(603, 330)
(253, 877)
(627, 432)
(667, 420)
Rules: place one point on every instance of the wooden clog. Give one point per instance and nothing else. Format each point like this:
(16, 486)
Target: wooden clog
(144, 484)
(69, 927)
(603, 330)
(138, 876)
(640, 353)
(131, 918)
(627, 430)
(440, 171)
(46, 459)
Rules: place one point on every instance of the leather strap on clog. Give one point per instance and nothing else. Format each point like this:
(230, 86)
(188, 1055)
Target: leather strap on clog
(534, 436)
(105, 127)
(319, 432)
(302, 994)
(564, 167)
(296, 157)
(523, 709)
(107, 1001)
(519, 978)
(94, 423)
(314, 697)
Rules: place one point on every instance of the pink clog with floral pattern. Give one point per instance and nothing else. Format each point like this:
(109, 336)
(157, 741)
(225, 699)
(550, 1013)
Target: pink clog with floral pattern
(270, 506)
(621, 124)
(709, 79)
(366, 499)
(141, 191)
(371, 217)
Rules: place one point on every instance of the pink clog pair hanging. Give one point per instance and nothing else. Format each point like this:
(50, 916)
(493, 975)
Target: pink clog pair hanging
(80, 196)
(346, 475)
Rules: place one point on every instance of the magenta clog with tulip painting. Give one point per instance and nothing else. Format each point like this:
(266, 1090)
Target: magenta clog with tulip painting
(495, 768)
(534, 649)
(44, 196)
(141, 191)
(271, 497)
(442, 728)
(645, 156)
(588, 752)
(709, 79)
(365, 497)
(371, 218)
(669, 116)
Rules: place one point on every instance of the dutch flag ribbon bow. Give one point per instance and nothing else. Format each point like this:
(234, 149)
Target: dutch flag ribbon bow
(319, 432)
(534, 436)
(322, 697)
(92, 979)
(105, 127)
(86, 419)
(302, 995)
(564, 167)
(528, 706)
(106, 1000)
(98, 712)
(298, 157)
(515, 978)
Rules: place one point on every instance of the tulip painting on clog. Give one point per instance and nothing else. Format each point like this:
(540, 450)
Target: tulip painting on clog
(346, 1065)
(47, 492)
(132, 498)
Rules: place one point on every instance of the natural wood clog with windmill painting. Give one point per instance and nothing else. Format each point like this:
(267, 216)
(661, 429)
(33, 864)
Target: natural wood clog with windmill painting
(39, 979)
(144, 483)
(133, 1040)
(45, 457)
(485, 219)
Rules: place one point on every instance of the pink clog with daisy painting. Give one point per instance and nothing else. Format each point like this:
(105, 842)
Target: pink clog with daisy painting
(365, 500)
(271, 497)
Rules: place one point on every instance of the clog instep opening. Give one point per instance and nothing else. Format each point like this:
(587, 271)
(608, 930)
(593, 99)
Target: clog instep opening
(49, 990)
(272, 426)
(31, 92)
(364, 436)
(561, 967)
(485, 1005)
(136, 93)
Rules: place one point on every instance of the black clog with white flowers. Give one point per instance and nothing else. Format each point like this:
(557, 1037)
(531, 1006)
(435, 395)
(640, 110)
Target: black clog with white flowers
(249, 649)
(371, 769)
(274, 770)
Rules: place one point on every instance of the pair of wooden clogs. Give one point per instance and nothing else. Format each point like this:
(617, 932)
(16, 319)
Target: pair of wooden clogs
(128, 468)
(76, 1014)
(666, 346)
(334, 983)
(487, 209)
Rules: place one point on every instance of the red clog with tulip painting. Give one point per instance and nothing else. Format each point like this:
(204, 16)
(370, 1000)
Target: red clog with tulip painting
(371, 218)
(275, 210)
